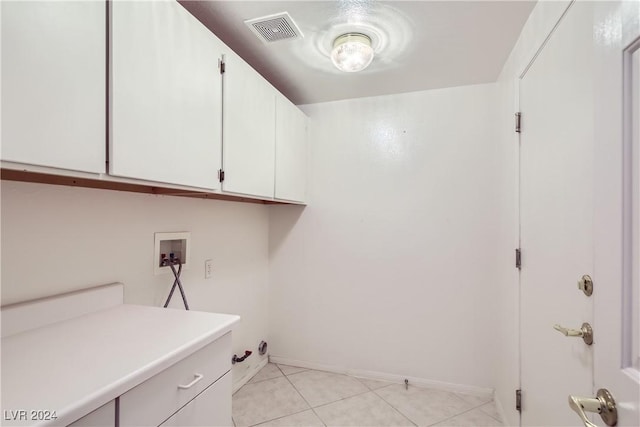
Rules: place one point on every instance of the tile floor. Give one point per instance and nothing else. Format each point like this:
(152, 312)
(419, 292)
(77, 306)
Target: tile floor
(281, 395)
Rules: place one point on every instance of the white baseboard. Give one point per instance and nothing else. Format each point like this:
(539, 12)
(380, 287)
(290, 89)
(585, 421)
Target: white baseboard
(249, 373)
(420, 382)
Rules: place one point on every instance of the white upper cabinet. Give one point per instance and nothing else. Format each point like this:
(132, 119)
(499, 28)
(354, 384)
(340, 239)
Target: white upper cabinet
(166, 97)
(54, 84)
(291, 151)
(172, 118)
(249, 130)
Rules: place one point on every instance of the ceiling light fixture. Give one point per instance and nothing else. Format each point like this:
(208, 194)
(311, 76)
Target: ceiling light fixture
(352, 52)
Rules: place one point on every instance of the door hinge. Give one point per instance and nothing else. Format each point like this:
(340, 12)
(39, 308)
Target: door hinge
(518, 121)
(220, 175)
(519, 400)
(518, 258)
(222, 66)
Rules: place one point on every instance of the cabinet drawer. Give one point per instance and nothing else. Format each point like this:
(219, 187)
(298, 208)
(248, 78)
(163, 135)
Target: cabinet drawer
(104, 416)
(212, 407)
(156, 399)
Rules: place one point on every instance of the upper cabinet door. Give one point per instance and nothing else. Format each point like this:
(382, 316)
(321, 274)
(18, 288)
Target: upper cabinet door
(249, 130)
(165, 95)
(54, 84)
(291, 151)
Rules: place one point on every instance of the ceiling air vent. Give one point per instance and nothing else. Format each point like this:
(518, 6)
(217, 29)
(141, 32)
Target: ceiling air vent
(274, 28)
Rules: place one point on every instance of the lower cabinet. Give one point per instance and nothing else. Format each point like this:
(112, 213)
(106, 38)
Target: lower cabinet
(209, 408)
(195, 391)
(104, 416)
(161, 396)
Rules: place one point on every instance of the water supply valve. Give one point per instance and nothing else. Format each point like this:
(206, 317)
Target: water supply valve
(235, 359)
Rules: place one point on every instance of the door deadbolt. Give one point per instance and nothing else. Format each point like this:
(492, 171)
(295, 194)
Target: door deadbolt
(585, 332)
(585, 284)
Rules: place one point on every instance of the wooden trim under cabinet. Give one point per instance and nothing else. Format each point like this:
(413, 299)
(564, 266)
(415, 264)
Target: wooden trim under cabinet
(105, 184)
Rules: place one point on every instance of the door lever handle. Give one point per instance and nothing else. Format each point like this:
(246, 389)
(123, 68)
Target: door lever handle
(569, 332)
(603, 404)
(580, 404)
(585, 332)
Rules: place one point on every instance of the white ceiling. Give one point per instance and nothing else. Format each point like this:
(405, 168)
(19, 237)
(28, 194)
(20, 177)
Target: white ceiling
(419, 44)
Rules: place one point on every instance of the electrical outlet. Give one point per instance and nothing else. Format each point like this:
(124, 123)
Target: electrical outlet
(208, 268)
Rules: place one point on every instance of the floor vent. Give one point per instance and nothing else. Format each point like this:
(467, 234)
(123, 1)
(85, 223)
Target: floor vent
(274, 28)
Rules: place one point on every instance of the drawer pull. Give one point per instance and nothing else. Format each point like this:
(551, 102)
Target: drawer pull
(197, 378)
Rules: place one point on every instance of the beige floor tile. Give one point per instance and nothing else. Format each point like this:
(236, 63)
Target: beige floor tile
(288, 370)
(340, 400)
(491, 410)
(366, 409)
(302, 419)
(423, 406)
(374, 384)
(269, 371)
(474, 399)
(266, 400)
(473, 418)
(319, 388)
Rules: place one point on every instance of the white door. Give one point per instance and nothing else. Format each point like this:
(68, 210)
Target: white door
(556, 219)
(249, 130)
(580, 214)
(617, 205)
(291, 151)
(165, 100)
(53, 84)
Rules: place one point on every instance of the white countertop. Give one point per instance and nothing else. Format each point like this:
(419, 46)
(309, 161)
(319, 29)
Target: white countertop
(77, 365)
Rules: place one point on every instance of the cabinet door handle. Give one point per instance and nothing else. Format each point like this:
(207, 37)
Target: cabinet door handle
(197, 378)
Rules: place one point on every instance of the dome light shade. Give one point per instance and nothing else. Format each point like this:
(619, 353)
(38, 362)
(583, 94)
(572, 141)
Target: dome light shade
(352, 52)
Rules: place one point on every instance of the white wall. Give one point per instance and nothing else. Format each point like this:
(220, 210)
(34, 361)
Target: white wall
(57, 239)
(506, 368)
(402, 263)
(392, 267)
